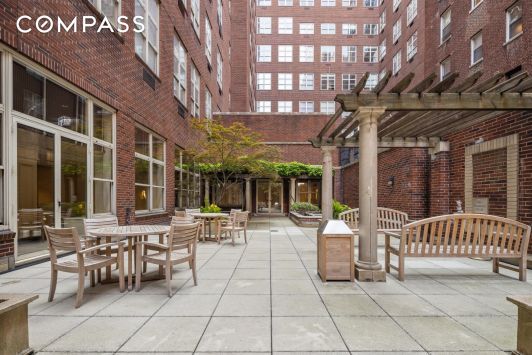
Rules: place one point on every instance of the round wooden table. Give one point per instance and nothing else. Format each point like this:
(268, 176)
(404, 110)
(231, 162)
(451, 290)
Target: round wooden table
(209, 218)
(132, 233)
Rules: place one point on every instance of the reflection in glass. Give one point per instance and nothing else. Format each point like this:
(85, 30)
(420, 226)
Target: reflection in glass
(102, 196)
(73, 183)
(142, 171)
(65, 109)
(103, 124)
(275, 199)
(142, 142)
(103, 162)
(158, 148)
(28, 91)
(158, 175)
(158, 198)
(141, 198)
(263, 196)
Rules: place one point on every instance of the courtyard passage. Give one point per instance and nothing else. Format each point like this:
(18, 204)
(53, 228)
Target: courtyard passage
(266, 297)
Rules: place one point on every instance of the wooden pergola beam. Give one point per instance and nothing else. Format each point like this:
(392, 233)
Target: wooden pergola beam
(467, 83)
(445, 84)
(392, 142)
(382, 83)
(343, 125)
(403, 84)
(424, 84)
(361, 84)
(331, 122)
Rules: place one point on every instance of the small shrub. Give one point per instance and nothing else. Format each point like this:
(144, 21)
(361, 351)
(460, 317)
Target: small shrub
(212, 208)
(339, 208)
(304, 207)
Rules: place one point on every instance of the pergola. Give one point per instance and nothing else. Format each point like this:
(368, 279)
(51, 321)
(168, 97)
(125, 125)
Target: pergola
(417, 117)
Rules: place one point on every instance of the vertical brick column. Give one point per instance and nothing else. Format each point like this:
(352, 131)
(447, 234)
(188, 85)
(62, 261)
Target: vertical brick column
(7, 250)
(439, 184)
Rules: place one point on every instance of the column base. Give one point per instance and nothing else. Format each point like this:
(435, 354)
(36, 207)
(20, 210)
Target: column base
(364, 275)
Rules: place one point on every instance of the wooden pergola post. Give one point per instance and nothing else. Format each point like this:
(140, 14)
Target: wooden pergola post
(327, 183)
(367, 267)
(248, 195)
(292, 191)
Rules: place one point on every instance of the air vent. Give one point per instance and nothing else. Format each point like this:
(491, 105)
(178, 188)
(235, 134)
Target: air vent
(148, 78)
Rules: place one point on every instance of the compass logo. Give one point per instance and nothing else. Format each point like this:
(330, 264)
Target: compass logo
(47, 24)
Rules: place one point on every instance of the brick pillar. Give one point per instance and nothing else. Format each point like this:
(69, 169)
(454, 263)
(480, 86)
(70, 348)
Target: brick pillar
(7, 250)
(439, 197)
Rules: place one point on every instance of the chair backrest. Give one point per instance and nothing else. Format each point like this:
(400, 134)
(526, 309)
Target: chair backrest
(387, 218)
(90, 224)
(182, 235)
(240, 218)
(182, 220)
(188, 211)
(61, 239)
(465, 235)
(234, 210)
(33, 216)
(180, 214)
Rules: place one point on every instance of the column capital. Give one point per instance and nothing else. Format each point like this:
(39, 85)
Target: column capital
(293, 179)
(328, 149)
(248, 179)
(370, 114)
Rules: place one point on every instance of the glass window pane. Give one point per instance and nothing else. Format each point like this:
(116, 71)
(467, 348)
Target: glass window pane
(142, 173)
(141, 197)
(158, 148)
(28, 91)
(142, 142)
(103, 124)
(158, 198)
(65, 108)
(102, 196)
(103, 162)
(158, 175)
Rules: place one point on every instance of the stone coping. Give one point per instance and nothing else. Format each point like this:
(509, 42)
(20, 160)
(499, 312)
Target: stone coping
(10, 301)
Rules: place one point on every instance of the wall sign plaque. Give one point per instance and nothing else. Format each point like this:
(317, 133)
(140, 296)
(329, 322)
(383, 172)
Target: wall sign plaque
(481, 205)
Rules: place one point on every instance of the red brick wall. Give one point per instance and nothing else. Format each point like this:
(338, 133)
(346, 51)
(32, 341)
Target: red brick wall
(7, 245)
(439, 202)
(489, 179)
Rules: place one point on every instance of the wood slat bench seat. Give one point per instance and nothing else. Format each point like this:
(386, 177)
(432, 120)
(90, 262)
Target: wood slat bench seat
(387, 219)
(461, 235)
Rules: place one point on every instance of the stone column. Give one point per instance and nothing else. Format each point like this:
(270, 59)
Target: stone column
(249, 205)
(367, 267)
(327, 183)
(207, 192)
(292, 191)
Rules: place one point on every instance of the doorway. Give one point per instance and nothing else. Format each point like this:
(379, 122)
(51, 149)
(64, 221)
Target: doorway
(269, 197)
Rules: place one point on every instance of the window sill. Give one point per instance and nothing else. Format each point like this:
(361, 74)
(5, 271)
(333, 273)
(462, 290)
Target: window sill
(512, 39)
(476, 7)
(156, 76)
(146, 214)
(476, 63)
(445, 42)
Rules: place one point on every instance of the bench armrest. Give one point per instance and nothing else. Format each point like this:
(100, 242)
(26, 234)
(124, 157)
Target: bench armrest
(392, 234)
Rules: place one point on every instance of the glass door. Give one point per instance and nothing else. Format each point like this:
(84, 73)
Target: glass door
(73, 177)
(269, 197)
(276, 195)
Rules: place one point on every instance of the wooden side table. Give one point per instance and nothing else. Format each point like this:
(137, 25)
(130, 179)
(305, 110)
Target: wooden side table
(336, 249)
(524, 323)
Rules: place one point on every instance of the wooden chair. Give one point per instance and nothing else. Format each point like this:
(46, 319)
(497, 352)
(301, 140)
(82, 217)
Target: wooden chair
(238, 223)
(87, 260)
(461, 235)
(188, 212)
(180, 248)
(180, 214)
(90, 224)
(31, 220)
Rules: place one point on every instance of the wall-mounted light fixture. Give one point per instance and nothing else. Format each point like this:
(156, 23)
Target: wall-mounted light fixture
(391, 181)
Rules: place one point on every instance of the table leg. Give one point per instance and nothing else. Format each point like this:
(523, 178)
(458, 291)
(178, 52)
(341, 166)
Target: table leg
(107, 253)
(129, 263)
(145, 252)
(210, 225)
(161, 241)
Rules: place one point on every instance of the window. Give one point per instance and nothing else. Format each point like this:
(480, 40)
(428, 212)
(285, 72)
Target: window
(328, 54)
(264, 25)
(264, 81)
(265, 2)
(284, 81)
(103, 181)
(411, 47)
(371, 29)
(306, 106)
(373, 80)
(445, 68)
(411, 12)
(370, 54)
(187, 181)
(195, 88)
(396, 31)
(219, 70)
(476, 48)
(382, 74)
(208, 104)
(306, 28)
(180, 71)
(514, 21)
(109, 8)
(327, 107)
(328, 3)
(445, 26)
(306, 54)
(328, 81)
(195, 15)
(285, 54)
(349, 81)
(396, 63)
(382, 49)
(306, 81)
(475, 3)
(308, 191)
(284, 106)
(149, 171)
(285, 25)
(208, 40)
(328, 28)
(349, 3)
(349, 54)
(349, 29)
(264, 53)
(370, 3)
(285, 3)
(382, 20)
(147, 42)
(220, 15)
(306, 3)
(264, 106)
(396, 4)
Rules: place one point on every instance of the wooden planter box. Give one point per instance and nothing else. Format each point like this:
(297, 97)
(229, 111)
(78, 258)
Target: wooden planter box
(14, 324)
(336, 259)
(524, 324)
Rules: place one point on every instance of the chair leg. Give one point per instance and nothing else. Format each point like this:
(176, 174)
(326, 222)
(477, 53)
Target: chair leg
(496, 265)
(53, 284)
(387, 254)
(81, 288)
(194, 272)
(121, 280)
(145, 252)
(168, 272)
(522, 269)
(138, 274)
(233, 238)
(92, 278)
(245, 236)
(401, 268)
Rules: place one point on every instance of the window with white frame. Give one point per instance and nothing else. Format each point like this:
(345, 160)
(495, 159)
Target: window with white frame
(477, 53)
(264, 53)
(411, 12)
(208, 40)
(382, 74)
(109, 8)
(305, 3)
(219, 70)
(149, 171)
(306, 81)
(284, 81)
(475, 3)
(370, 54)
(306, 54)
(265, 2)
(371, 29)
(349, 3)
(285, 53)
(349, 29)
(284, 106)
(327, 107)
(328, 28)
(514, 21)
(327, 3)
(349, 81)
(411, 47)
(187, 180)
(349, 54)
(285, 25)
(264, 81)
(180, 71)
(306, 106)
(306, 28)
(285, 3)
(147, 41)
(264, 25)
(208, 103)
(382, 49)
(396, 4)
(328, 81)
(396, 31)
(328, 54)
(103, 180)
(220, 14)
(195, 90)
(373, 80)
(195, 15)
(396, 63)
(370, 3)
(382, 20)
(445, 68)
(445, 26)
(264, 106)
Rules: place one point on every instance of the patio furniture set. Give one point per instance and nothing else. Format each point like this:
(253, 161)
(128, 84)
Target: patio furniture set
(91, 256)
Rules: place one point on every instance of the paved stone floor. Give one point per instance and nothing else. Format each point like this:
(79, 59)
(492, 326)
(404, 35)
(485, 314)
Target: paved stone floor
(265, 297)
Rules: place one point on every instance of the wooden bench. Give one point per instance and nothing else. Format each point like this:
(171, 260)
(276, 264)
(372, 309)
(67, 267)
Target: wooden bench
(387, 219)
(461, 235)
